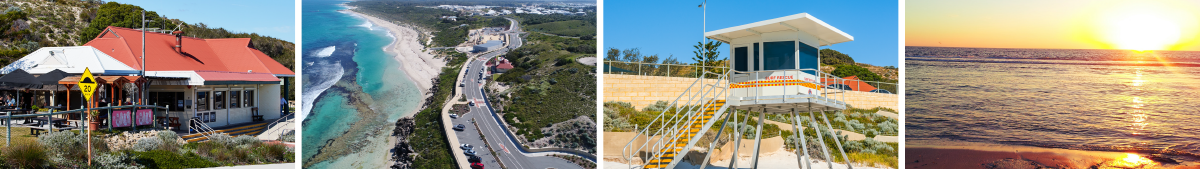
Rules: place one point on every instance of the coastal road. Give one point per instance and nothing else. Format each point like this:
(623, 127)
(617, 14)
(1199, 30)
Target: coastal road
(506, 151)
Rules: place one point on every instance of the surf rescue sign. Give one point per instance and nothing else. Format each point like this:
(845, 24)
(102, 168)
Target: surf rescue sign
(87, 84)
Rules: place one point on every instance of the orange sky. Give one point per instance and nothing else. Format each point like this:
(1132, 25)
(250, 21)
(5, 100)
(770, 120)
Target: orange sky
(1070, 24)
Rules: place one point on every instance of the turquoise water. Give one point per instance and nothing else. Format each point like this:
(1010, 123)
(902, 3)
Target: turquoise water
(358, 44)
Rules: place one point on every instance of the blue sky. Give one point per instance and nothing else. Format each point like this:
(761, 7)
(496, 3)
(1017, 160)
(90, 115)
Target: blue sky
(274, 18)
(671, 27)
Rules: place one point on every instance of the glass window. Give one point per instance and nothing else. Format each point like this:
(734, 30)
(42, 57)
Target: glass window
(740, 59)
(808, 57)
(202, 101)
(754, 60)
(219, 99)
(779, 55)
(248, 99)
(235, 99)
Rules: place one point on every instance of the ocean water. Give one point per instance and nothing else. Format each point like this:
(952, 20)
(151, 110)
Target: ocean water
(1073, 99)
(357, 52)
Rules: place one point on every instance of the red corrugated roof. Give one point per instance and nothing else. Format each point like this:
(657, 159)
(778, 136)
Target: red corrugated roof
(236, 76)
(854, 83)
(230, 55)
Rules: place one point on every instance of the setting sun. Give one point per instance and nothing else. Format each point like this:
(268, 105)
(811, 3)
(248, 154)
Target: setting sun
(1142, 25)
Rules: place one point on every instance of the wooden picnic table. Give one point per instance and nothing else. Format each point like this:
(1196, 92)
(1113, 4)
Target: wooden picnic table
(47, 124)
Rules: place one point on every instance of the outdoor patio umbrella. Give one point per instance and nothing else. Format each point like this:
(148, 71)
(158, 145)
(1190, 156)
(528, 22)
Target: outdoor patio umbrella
(21, 80)
(51, 79)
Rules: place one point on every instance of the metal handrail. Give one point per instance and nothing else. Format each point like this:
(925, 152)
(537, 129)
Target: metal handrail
(201, 126)
(676, 118)
(675, 127)
(624, 152)
(277, 121)
(640, 65)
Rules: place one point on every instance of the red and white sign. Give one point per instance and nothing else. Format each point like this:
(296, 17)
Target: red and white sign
(120, 118)
(145, 117)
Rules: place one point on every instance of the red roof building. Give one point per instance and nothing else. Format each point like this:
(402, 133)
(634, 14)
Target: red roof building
(853, 82)
(220, 82)
(230, 55)
(502, 65)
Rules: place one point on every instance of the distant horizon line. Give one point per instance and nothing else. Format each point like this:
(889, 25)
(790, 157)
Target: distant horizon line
(1050, 48)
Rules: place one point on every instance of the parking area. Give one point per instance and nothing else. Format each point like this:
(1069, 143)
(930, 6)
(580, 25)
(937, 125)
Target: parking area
(470, 135)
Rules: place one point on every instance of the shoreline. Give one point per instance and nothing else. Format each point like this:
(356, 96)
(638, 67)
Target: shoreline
(371, 149)
(958, 154)
(406, 50)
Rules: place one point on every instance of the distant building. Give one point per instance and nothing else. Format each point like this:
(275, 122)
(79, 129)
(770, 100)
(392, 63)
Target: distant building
(500, 65)
(451, 18)
(490, 45)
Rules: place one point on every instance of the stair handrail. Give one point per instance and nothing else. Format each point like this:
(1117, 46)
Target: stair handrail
(201, 127)
(675, 119)
(624, 151)
(687, 119)
(286, 119)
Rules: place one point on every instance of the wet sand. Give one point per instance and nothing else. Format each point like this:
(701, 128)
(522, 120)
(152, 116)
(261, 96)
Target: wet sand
(950, 154)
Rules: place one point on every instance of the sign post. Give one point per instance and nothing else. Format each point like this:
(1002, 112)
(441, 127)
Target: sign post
(87, 84)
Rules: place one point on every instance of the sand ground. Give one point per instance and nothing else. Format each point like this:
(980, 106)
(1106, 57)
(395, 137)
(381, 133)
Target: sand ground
(420, 65)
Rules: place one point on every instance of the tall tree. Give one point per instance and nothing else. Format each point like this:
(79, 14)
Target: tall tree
(706, 55)
(613, 54)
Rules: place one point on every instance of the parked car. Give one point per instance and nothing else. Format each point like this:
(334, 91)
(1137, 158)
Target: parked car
(466, 147)
(453, 116)
(459, 127)
(469, 152)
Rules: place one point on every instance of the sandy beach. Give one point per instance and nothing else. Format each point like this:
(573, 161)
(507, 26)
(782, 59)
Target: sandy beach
(773, 153)
(420, 66)
(954, 154)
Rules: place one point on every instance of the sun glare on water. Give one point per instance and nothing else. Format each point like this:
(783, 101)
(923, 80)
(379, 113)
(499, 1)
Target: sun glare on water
(1144, 25)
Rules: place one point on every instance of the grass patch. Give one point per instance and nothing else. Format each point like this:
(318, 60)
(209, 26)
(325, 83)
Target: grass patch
(19, 134)
(573, 28)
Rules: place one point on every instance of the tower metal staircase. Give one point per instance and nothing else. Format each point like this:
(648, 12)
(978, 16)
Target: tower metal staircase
(703, 103)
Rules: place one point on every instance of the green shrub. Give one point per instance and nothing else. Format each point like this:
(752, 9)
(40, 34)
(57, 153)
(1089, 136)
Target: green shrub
(271, 153)
(64, 147)
(167, 159)
(115, 160)
(25, 155)
(221, 138)
(147, 144)
(245, 140)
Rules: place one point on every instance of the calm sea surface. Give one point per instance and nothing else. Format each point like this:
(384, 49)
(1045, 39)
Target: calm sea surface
(1077, 99)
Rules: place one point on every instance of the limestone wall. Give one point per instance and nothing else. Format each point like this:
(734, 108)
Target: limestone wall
(642, 91)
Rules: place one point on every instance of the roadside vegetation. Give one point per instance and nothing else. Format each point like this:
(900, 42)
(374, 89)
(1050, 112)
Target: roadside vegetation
(583, 27)
(428, 138)
(148, 149)
(548, 87)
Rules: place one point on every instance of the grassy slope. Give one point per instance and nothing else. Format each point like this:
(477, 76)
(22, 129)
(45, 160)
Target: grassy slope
(560, 89)
(573, 28)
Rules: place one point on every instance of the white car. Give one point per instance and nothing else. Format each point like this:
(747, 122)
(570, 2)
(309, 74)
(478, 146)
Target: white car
(454, 116)
(466, 147)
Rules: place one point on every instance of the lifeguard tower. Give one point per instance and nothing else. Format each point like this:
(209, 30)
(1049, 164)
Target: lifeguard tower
(774, 68)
